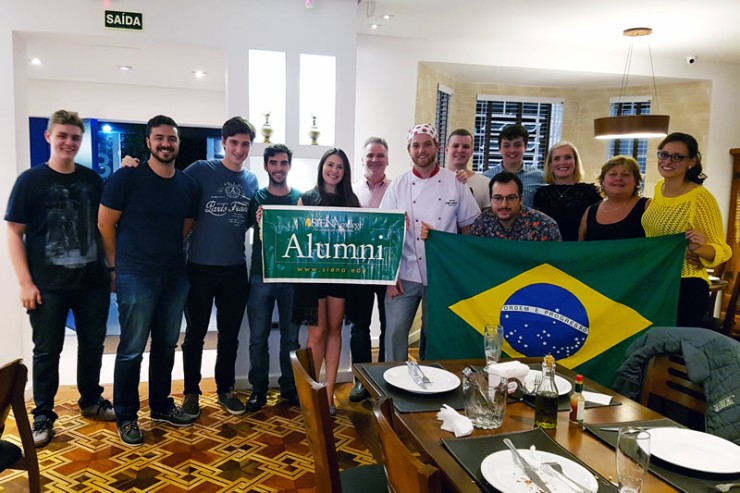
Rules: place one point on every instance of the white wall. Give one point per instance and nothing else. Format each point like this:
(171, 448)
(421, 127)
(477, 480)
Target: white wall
(386, 91)
(230, 26)
(126, 103)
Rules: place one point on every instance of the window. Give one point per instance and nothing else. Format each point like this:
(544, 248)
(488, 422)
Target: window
(444, 94)
(637, 148)
(543, 119)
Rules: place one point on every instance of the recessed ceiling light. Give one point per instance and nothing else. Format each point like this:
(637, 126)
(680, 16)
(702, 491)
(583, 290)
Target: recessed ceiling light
(387, 16)
(199, 74)
(125, 68)
(35, 61)
(375, 26)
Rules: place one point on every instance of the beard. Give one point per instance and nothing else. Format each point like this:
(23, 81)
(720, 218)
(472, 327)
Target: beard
(157, 154)
(424, 163)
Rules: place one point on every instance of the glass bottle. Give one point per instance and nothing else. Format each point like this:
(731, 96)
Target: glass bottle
(577, 402)
(546, 396)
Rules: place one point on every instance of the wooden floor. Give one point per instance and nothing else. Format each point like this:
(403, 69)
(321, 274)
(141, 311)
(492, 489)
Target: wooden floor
(264, 451)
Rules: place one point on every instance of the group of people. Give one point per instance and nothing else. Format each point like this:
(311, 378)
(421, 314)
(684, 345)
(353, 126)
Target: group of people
(73, 240)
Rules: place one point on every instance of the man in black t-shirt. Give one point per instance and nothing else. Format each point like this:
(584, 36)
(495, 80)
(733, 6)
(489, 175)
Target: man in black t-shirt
(58, 258)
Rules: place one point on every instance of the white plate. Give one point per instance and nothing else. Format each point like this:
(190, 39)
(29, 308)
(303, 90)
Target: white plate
(695, 450)
(563, 385)
(501, 473)
(442, 380)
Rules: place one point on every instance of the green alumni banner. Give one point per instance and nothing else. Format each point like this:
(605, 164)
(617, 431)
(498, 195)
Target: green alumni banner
(583, 302)
(338, 245)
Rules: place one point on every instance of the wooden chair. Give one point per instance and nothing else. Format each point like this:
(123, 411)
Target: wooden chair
(13, 378)
(320, 436)
(666, 385)
(405, 472)
(732, 311)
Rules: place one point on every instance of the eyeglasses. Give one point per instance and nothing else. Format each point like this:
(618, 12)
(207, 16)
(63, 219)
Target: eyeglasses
(676, 158)
(497, 199)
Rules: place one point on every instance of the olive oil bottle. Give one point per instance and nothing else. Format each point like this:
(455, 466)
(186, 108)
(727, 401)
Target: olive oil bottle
(546, 397)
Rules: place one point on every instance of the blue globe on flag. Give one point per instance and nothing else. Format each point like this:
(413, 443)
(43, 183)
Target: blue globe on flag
(542, 319)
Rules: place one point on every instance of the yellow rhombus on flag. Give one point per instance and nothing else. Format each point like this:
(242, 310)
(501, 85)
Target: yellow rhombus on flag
(531, 327)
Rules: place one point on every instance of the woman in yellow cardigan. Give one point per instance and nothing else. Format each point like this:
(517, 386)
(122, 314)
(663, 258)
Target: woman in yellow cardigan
(681, 204)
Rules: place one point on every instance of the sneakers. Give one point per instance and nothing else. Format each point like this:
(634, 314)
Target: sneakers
(102, 410)
(190, 405)
(43, 431)
(358, 393)
(256, 401)
(173, 416)
(291, 397)
(230, 401)
(131, 434)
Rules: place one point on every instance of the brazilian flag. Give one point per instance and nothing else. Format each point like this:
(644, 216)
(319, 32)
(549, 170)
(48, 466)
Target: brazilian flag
(583, 302)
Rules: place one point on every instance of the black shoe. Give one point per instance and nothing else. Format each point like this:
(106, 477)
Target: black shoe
(256, 401)
(43, 431)
(173, 416)
(291, 397)
(131, 434)
(358, 393)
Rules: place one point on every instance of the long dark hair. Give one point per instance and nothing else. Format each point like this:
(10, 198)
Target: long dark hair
(694, 173)
(344, 187)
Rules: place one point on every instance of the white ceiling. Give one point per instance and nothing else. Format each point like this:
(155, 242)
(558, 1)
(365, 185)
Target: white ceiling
(706, 29)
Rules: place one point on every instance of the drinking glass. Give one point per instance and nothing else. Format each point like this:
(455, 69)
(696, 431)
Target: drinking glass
(484, 406)
(493, 340)
(633, 458)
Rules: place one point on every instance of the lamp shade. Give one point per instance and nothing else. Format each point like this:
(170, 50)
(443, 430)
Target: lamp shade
(631, 127)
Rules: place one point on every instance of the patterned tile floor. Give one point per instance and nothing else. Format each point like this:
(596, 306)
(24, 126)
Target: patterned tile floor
(264, 451)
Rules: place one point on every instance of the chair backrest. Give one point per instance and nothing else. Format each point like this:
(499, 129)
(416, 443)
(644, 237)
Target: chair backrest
(405, 472)
(13, 378)
(728, 326)
(315, 409)
(666, 378)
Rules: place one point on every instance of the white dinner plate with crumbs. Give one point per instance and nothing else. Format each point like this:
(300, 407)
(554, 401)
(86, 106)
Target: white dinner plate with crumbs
(563, 385)
(695, 450)
(441, 380)
(501, 473)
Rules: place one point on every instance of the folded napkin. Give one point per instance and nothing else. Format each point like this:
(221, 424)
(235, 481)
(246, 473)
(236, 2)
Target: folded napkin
(509, 370)
(455, 422)
(597, 398)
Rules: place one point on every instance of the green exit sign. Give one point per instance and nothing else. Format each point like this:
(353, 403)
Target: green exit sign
(124, 20)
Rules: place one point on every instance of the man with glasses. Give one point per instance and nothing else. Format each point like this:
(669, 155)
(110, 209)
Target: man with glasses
(509, 219)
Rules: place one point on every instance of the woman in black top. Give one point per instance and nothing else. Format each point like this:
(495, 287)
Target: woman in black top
(322, 306)
(565, 197)
(619, 215)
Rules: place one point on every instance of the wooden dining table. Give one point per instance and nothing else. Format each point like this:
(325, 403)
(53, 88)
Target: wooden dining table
(423, 432)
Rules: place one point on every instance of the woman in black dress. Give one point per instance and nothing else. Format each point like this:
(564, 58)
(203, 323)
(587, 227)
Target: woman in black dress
(566, 196)
(322, 306)
(619, 215)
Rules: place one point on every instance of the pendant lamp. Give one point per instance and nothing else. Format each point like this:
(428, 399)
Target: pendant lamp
(633, 126)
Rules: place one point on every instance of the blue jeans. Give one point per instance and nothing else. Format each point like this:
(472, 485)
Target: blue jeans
(399, 315)
(262, 298)
(147, 304)
(48, 320)
(228, 285)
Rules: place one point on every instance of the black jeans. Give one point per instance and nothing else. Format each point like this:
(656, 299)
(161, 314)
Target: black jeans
(48, 320)
(359, 343)
(693, 302)
(228, 286)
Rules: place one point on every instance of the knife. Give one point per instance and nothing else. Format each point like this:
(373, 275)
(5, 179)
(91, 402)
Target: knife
(524, 466)
(416, 375)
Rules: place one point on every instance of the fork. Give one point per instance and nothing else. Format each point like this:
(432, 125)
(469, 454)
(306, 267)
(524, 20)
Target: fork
(724, 488)
(537, 382)
(556, 470)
